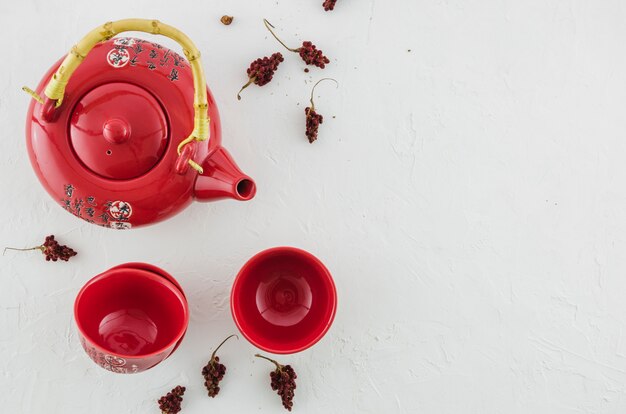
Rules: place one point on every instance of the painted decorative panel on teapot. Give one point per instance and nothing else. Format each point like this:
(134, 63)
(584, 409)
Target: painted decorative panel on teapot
(123, 138)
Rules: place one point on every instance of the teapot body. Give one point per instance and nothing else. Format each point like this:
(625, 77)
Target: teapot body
(108, 153)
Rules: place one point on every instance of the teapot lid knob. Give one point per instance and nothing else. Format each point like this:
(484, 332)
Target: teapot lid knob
(116, 131)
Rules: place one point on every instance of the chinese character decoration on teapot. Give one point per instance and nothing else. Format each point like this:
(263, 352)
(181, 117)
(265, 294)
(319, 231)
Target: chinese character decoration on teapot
(114, 138)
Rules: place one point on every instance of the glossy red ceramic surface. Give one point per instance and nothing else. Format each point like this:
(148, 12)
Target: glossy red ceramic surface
(108, 154)
(158, 271)
(283, 300)
(130, 319)
(119, 131)
(151, 268)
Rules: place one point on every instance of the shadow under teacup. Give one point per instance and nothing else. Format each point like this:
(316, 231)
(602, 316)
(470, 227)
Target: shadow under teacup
(283, 300)
(130, 319)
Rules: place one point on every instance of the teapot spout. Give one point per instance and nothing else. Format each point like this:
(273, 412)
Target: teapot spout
(222, 178)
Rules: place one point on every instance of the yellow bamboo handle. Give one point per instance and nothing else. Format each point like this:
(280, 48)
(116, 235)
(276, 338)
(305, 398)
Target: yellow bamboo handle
(56, 87)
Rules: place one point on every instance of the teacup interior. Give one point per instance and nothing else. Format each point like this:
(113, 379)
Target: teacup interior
(131, 313)
(284, 300)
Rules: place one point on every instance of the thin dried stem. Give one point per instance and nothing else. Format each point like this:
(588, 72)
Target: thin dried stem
(222, 343)
(270, 26)
(278, 366)
(41, 248)
(313, 90)
(250, 82)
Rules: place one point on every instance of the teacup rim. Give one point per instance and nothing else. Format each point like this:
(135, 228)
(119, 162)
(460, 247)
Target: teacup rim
(153, 277)
(153, 269)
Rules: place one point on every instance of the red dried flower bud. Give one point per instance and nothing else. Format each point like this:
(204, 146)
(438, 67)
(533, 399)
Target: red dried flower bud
(312, 55)
(313, 121)
(308, 51)
(329, 4)
(283, 381)
(213, 372)
(52, 250)
(170, 402)
(261, 71)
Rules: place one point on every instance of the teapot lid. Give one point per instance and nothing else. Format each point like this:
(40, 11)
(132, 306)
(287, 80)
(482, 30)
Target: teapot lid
(119, 130)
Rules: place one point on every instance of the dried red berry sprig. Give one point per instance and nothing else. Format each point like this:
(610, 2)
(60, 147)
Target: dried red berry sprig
(283, 381)
(329, 4)
(308, 51)
(170, 402)
(261, 71)
(52, 250)
(214, 371)
(313, 119)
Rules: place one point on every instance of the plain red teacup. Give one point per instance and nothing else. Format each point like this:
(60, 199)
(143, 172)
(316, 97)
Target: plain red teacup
(283, 300)
(131, 317)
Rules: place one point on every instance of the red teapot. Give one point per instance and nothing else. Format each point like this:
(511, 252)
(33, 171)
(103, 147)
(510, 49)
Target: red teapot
(112, 134)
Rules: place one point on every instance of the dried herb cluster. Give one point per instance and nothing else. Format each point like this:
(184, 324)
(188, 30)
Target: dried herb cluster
(329, 4)
(312, 55)
(170, 402)
(313, 119)
(52, 250)
(282, 380)
(261, 72)
(213, 372)
(309, 53)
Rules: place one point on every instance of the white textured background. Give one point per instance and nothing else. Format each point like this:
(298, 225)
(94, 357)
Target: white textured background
(469, 199)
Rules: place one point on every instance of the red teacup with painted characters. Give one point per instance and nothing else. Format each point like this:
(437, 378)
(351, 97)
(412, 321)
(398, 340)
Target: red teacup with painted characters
(130, 318)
